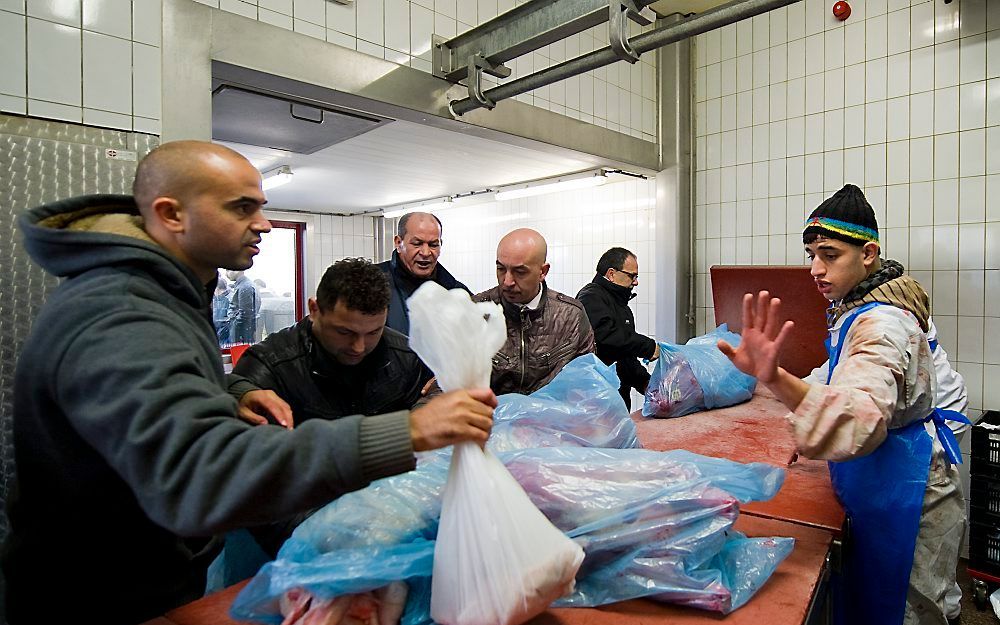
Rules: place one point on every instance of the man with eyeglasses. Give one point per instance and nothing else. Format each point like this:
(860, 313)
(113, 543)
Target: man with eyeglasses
(606, 300)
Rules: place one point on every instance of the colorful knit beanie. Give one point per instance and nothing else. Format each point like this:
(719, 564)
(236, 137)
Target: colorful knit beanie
(846, 215)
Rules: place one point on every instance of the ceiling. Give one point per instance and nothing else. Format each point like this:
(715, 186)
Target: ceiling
(402, 162)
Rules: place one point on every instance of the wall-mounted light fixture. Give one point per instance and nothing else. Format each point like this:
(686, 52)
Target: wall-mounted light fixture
(425, 206)
(577, 180)
(276, 177)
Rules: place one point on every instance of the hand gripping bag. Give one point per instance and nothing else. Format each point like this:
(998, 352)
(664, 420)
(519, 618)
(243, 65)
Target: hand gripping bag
(497, 560)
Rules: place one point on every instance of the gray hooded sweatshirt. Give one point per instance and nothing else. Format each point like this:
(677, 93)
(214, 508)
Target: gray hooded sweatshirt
(126, 442)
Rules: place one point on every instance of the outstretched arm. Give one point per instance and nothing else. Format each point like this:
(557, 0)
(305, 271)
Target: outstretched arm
(762, 337)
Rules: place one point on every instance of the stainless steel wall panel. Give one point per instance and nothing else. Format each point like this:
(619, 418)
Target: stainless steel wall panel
(42, 161)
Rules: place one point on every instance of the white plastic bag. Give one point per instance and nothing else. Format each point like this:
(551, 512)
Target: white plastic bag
(497, 560)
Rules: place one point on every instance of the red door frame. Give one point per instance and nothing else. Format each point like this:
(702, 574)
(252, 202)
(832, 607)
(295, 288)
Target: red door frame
(300, 282)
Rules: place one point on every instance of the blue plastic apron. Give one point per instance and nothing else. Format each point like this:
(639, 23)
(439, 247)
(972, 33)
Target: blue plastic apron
(883, 496)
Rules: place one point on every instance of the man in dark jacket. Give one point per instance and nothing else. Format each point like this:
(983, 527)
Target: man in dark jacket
(244, 307)
(606, 300)
(414, 261)
(341, 360)
(545, 329)
(128, 450)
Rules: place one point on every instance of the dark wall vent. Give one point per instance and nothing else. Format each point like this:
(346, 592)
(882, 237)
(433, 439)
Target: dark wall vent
(269, 121)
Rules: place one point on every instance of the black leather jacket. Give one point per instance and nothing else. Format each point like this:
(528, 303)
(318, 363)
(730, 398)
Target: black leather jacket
(293, 364)
(606, 304)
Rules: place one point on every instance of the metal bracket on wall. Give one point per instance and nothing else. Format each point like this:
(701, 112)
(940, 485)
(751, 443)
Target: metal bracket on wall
(620, 11)
(474, 79)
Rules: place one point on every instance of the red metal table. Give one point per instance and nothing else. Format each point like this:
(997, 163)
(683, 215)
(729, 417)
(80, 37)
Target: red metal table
(754, 432)
(785, 600)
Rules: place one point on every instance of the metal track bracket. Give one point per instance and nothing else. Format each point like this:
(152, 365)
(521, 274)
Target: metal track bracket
(619, 13)
(476, 66)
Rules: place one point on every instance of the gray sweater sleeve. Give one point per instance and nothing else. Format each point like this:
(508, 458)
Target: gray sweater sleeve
(162, 421)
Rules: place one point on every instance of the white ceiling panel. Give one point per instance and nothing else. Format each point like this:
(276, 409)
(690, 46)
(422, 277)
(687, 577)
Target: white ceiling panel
(404, 162)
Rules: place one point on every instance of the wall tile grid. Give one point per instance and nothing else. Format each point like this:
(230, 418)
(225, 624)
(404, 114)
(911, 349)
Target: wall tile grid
(578, 226)
(97, 61)
(334, 238)
(902, 99)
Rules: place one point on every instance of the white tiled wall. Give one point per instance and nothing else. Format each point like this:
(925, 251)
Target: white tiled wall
(335, 238)
(98, 61)
(578, 226)
(95, 62)
(902, 99)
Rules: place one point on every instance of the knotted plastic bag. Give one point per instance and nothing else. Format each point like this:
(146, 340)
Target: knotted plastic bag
(696, 376)
(497, 560)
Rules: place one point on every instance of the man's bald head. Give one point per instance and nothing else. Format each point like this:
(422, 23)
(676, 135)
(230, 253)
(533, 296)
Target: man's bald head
(202, 203)
(521, 266)
(181, 170)
(525, 242)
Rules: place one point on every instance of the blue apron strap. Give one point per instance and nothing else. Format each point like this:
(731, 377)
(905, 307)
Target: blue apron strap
(834, 353)
(933, 343)
(945, 435)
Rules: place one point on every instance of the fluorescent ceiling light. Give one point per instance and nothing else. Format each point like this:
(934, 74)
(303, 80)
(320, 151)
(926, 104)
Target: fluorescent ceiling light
(425, 206)
(276, 177)
(579, 180)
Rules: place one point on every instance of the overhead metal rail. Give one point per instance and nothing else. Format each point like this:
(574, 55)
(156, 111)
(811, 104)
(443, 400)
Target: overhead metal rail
(525, 28)
(528, 27)
(618, 50)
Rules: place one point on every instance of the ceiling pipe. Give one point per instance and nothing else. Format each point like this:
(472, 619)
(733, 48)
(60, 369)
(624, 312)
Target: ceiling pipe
(695, 25)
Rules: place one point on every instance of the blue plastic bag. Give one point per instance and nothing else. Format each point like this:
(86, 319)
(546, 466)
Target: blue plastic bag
(696, 376)
(580, 407)
(652, 524)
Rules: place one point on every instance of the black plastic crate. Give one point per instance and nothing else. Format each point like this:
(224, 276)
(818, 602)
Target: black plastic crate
(984, 548)
(986, 447)
(984, 500)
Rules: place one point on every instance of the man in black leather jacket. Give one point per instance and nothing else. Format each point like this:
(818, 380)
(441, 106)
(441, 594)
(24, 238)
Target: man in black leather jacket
(606, 300)
(341, 360)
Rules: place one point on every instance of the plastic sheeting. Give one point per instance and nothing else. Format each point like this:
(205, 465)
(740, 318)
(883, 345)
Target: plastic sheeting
(652, 524)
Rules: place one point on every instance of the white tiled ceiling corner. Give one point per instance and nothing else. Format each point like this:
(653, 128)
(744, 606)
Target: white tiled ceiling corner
(403, 162)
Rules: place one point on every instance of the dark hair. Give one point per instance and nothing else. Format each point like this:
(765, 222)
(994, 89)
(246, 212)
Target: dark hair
(401, 224)
(613, 259)
(358, 283)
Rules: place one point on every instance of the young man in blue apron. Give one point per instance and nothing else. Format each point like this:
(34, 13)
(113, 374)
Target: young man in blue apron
(879, 411)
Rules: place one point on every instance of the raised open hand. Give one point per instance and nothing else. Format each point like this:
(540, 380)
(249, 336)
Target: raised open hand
(761, 337)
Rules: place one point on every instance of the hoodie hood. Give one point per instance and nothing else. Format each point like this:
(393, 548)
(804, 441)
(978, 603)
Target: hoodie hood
(73, 236)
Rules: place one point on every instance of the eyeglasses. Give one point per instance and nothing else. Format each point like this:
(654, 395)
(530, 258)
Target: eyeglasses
(634, 276)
